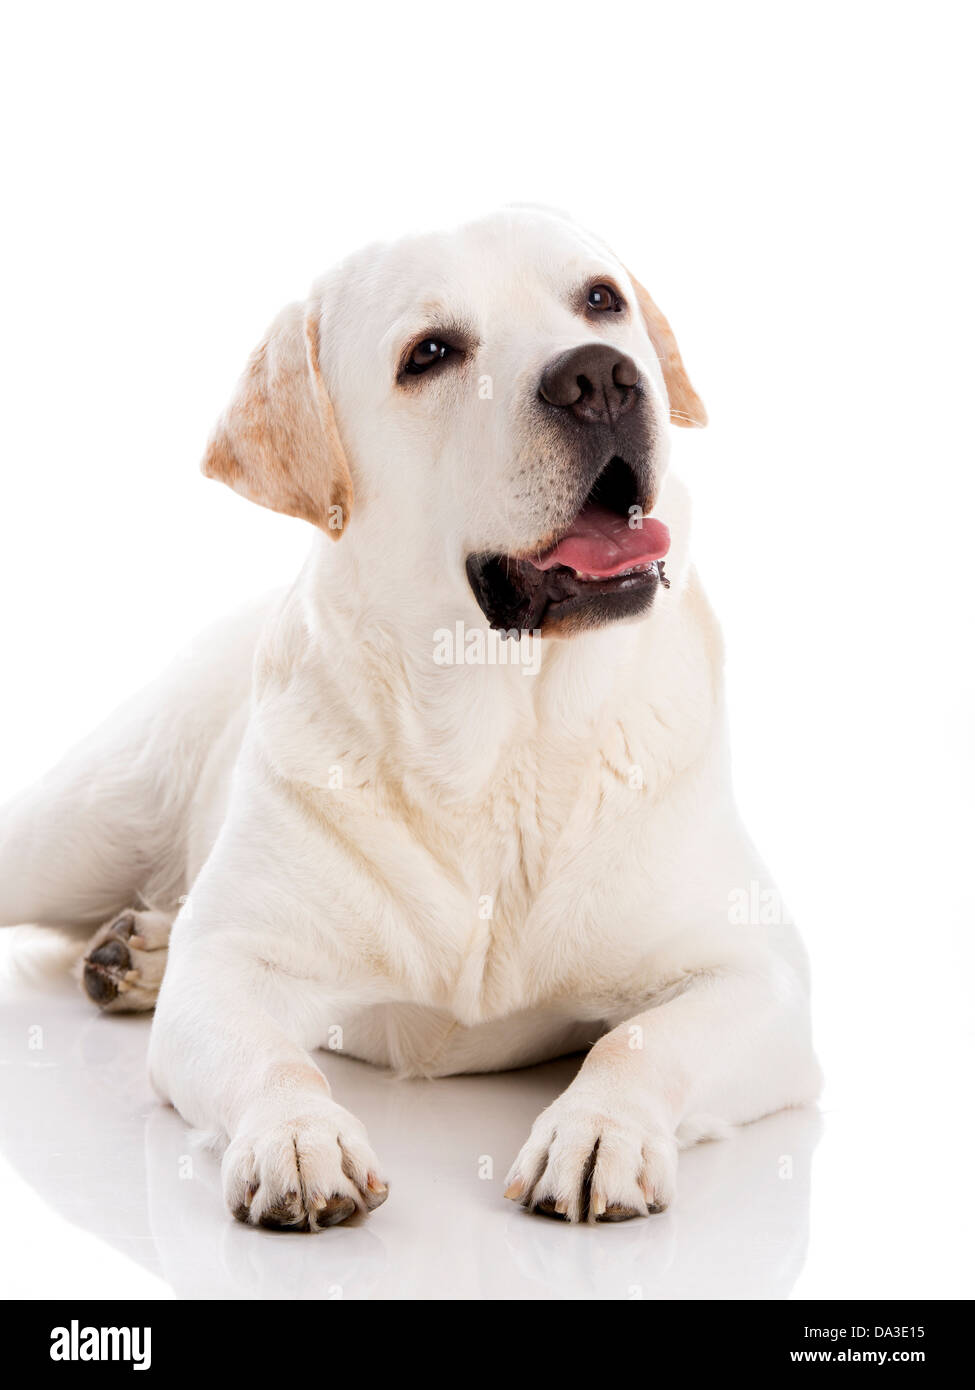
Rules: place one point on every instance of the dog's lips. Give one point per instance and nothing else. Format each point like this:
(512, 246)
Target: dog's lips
(601, 544)
(601, 568)
(606, 565)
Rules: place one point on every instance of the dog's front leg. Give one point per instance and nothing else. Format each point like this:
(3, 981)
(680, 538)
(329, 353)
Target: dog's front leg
(227, 1051)
(732, 1044)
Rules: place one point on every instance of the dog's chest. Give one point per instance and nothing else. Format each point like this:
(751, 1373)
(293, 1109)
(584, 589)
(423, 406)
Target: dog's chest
(546, 881)
(531, 917)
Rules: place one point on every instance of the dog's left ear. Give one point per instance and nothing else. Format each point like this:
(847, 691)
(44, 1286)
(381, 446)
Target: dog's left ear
(686, 406)
(277, 442)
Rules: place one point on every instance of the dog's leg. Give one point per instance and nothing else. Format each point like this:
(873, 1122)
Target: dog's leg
(123, 963)
(109, 822)
(228, 1050)
(731, 1046)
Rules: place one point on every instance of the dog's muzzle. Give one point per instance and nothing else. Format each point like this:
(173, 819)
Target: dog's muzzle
(605, 563)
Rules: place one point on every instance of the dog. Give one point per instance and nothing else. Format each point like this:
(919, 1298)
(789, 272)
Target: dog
(352, 817)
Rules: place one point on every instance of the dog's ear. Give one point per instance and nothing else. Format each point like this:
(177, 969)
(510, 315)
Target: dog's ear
(686, 406)
(277, 442)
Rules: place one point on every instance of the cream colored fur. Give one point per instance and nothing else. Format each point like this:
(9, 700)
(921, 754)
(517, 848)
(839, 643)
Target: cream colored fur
(436, 868)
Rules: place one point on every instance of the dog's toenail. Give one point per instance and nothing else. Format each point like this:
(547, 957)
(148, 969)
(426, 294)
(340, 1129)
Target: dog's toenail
(547, 1207)
(376, 1192)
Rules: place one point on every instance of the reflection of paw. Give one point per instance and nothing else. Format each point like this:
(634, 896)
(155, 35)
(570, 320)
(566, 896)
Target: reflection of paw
(586, 1162)
(124, 963)
(305, 1173)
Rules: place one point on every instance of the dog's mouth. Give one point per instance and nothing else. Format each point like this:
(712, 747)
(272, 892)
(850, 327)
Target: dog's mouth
(605, 566)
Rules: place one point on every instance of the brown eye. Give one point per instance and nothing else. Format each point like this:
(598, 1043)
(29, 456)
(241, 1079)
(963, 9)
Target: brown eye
(426, 354)
(603, 297)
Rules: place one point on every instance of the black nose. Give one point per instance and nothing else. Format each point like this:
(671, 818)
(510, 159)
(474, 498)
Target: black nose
(596, 382)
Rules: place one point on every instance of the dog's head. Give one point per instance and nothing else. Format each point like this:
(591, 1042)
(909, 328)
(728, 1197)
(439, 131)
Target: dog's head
(495, 402)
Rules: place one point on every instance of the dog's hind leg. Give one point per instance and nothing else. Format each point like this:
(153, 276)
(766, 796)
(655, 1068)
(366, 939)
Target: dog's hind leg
(105, 828)
(111, 828)
(123, 964)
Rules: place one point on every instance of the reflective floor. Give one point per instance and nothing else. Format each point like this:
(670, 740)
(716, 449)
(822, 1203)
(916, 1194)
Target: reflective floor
(105, 1194)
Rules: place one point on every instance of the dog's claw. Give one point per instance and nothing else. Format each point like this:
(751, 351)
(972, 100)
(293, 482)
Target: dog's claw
(375, 1192)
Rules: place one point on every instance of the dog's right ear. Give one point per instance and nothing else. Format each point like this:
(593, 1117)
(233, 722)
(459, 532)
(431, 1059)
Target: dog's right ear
(277, 442)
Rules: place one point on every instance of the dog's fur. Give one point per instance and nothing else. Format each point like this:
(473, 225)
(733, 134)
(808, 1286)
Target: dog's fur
(438, 868)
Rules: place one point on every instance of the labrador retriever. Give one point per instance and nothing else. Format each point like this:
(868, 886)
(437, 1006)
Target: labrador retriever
(459, 800)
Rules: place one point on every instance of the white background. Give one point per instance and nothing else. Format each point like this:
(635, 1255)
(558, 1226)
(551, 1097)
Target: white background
(793, 185)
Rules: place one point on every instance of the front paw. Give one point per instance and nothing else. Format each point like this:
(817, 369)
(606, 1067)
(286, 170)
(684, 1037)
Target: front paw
(303, 1173)
(591, 1158)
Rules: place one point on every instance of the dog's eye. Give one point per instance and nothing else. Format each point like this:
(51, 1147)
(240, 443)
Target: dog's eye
(602, 298)
(426, 354)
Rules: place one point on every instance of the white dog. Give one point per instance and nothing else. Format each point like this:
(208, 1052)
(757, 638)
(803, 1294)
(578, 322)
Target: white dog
(391, 831)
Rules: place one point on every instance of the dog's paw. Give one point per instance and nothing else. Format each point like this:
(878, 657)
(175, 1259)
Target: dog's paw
(124, 962)
(586, 1161)
(303, 1174)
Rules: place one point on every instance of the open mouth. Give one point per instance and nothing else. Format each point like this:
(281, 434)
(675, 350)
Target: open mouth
(607, 565)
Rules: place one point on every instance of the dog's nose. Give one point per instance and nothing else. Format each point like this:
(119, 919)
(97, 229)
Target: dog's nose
(596, 382)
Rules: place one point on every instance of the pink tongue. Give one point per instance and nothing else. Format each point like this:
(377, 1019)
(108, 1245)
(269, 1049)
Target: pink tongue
(603, 544)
